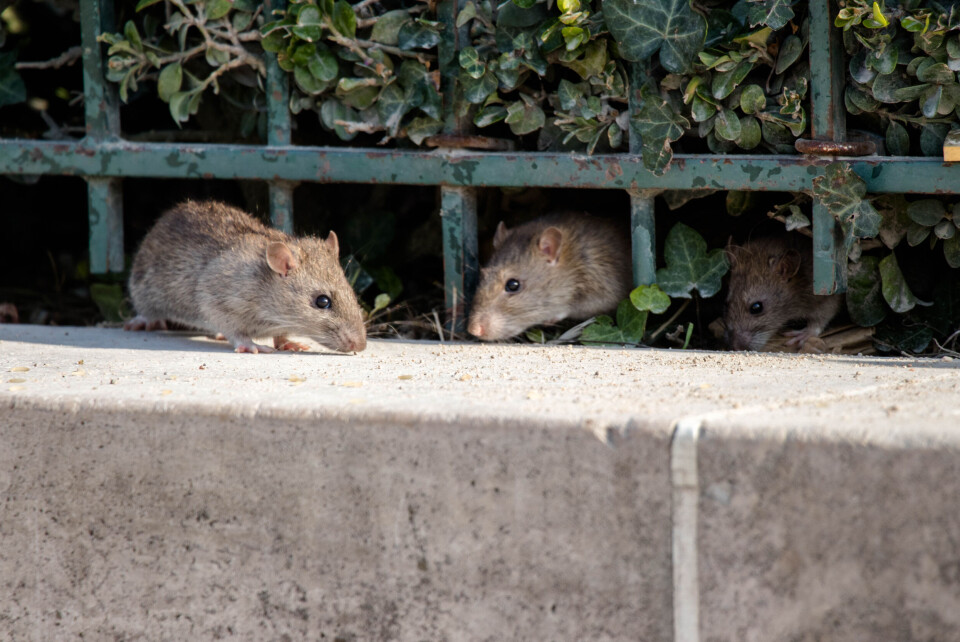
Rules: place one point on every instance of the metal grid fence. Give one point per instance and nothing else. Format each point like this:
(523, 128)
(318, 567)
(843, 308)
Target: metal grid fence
(103, 158)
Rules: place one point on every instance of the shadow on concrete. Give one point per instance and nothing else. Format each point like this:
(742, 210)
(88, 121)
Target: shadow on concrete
(119, 339)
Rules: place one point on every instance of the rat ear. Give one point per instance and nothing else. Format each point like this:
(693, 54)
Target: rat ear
(550, 244)
(280, 259)
(333, 243)
(788, 264)
(500, 235)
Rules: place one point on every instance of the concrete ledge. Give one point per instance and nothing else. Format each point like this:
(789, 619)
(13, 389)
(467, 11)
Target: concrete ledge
(160, 487)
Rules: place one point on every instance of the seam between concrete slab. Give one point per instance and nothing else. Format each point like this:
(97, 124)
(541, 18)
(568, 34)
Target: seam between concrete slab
(685, 491)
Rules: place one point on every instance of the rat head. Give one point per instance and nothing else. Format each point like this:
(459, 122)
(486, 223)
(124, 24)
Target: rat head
(310, 295)
(760, 297)
(526, 282)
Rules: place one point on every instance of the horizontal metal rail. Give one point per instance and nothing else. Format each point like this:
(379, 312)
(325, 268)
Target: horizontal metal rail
(882, 174)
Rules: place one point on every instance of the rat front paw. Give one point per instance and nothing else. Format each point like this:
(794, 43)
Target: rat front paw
(282, 343)
(799, 337)
(247, 345)
(138, 323)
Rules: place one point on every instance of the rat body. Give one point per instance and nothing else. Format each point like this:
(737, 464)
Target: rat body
(560, 266)
(214, 267)
(771, 284)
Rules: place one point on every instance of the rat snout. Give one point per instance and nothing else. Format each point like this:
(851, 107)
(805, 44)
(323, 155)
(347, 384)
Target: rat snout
(486, 327)
(353, 342)
(475, 327)
(739, 340)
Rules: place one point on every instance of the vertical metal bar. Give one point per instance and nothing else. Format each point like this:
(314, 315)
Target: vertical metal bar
(278, 131)
(458, 205)
(642, 215)
(827, 123)
(102, 114)
(458, 213)
(829, 255)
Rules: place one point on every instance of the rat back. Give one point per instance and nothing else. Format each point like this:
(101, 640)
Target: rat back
(561, 266)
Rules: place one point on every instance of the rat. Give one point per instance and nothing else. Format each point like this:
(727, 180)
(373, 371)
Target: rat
(771, 284)
(565, 265)
(212, 266)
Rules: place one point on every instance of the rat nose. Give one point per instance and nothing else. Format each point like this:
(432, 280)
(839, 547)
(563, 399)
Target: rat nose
(475, 328)
(355, 343)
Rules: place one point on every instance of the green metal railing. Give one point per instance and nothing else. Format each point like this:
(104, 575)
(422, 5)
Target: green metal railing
(103, 158)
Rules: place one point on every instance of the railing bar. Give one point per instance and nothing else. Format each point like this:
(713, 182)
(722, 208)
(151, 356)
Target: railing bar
(278, 131)
(642, 211)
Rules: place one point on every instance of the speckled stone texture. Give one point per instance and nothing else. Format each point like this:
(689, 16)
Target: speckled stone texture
(810, 540)
(192, 526)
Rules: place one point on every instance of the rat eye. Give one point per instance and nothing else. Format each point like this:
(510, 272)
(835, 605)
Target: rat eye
(756, 307)
(512, 285)
(323, 302)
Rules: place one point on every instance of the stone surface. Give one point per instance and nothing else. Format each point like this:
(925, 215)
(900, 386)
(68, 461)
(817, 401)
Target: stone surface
(161, 487)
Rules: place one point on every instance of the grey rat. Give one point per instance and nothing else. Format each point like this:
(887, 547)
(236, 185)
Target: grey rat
(211, 266)
(771, 284)
(561, 266)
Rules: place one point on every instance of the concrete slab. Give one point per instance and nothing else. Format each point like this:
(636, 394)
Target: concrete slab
(159, 486)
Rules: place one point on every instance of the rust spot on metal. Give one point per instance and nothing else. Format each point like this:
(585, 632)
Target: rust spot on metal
(470, 142)
(208, 176)
(832, 148)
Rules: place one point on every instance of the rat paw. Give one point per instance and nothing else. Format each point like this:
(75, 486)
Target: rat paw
(799, 337)
(248, 346)
(138, 323)
(284, 344)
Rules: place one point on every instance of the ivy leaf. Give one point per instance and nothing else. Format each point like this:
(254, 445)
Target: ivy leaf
(386, 28)
(476, 90)
(650, 298)
(951, 251)
(391, 107)
(659, 124)
(423, 127)
(333, 110)
(842, 192)
(524, 118)
(418, 35)
(489, 115)
(630, 328)
(898, 139)
(217, 9)
(864, 292)
(727, 126)
(12, 89)
(752, 99)
(790, 51)
(896, 292)
(471, 63)
(796, 220)
(928, 211)
(772, 13)
(643, 28)
(689, 266)
(169, 81)
(593, 61)
(893, 210)
(344, 19)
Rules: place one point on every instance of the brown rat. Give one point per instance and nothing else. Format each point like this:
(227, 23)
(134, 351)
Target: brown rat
(561, 266)
(771, 284)
(214, 267)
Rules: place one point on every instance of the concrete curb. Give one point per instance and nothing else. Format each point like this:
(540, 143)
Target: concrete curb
(465, 492)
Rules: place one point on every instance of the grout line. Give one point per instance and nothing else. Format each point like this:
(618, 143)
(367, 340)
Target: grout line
(685, 492)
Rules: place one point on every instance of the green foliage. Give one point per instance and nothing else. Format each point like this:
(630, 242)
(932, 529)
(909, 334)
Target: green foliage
(902, 71)
(669, 27)
(689, 265)
(631, 321)
(842, 192)
(201, 45)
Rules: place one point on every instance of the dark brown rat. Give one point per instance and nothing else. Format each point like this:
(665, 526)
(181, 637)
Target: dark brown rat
(771, 284)
(211, 266)
(561, 266)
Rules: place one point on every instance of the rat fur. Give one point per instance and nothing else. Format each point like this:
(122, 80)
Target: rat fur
(214, 267)
(567, 266)
(771, 284)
